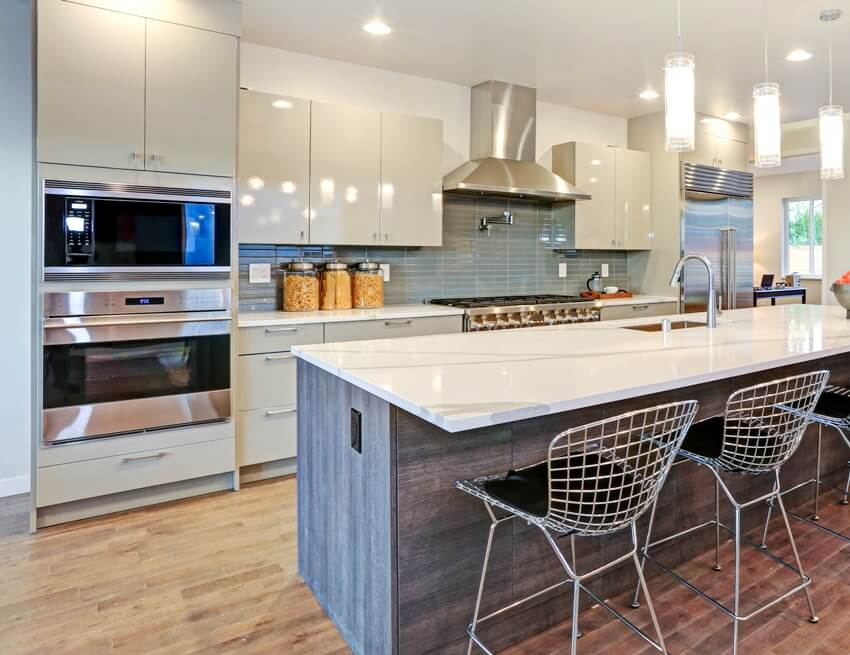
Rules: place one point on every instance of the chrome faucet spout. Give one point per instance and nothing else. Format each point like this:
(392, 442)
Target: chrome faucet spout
(676, 278)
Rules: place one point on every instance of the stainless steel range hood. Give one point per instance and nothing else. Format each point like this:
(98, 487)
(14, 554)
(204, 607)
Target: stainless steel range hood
(502, 146)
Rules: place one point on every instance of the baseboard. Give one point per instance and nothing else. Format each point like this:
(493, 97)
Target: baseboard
(13, 486)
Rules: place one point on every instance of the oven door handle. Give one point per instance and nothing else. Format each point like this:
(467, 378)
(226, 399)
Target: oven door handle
(104, 332)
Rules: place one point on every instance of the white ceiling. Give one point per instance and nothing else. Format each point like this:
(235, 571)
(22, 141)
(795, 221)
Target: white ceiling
(593, 55)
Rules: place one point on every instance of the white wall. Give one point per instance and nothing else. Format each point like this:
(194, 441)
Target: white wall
(836, 199)
(304, 76)
(16, 166)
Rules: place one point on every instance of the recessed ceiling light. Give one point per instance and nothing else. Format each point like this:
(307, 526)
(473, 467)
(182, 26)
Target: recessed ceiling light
(377, 27)
(282, 104)
(649, 94)
(732, 116)
(799, 55)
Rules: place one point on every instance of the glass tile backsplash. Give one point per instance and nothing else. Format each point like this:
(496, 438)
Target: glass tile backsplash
(509, 260)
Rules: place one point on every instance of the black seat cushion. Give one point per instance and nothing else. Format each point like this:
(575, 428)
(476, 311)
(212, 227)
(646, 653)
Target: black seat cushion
(528, 489)
(833, 405)
(705, 438)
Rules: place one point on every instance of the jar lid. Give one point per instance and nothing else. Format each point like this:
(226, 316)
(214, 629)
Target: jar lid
(368, 266)
(300, 266)
(336, 266)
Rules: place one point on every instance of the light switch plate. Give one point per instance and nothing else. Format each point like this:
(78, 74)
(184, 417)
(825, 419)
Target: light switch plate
(604, 270)
(385, 268)
(259, 273)
(562, 269)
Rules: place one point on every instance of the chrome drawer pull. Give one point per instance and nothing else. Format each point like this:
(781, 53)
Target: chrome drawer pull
(398, 323)
(273, 330)
(271, 358)
(141, 458)
(639, 308)
(275, 412)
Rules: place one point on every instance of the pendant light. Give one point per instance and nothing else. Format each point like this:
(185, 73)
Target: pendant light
(766, 116)
(831, 121)
(679, 88)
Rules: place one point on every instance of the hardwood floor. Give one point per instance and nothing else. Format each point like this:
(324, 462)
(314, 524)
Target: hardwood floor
(218, 575)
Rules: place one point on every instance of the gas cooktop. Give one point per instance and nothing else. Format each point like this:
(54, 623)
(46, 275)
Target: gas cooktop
(508, 301)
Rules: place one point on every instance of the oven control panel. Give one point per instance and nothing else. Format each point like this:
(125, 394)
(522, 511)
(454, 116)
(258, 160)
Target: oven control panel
(79, 230)
(507, 320)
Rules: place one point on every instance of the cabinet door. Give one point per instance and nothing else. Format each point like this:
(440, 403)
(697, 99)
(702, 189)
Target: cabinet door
(411, 181)
(705, 150)
(595, 173)
(732, 154)
(91, 86)
(274, 168)
(190, 100)
(345, 165)
(634, 198)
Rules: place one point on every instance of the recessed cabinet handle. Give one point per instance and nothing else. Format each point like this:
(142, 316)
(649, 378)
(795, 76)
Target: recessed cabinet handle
(639, 308)
(271, 358)
(287, 329)
(137, 155)
(398, 323)
(141, 458)
(275, 412)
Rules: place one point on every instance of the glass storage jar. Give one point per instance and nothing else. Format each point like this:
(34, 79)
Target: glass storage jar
(300, 287)
(335, 286)
(367, 286)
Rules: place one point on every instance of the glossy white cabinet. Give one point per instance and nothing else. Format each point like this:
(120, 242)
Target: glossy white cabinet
(345, 175)
(274, 168)
(190, 100)
(123, 91)
(619, 214)
(720, 144)
(633, 196)
(411, 181)
(91, 86)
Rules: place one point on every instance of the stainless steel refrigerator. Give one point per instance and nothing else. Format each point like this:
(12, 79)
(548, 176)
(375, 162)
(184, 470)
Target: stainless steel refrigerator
(717, 221)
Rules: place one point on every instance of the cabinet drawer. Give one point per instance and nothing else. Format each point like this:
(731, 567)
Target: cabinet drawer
(266, 435)
(99, 477)
(638, 311)
(266, 381)
(278, 338)
(390, 328)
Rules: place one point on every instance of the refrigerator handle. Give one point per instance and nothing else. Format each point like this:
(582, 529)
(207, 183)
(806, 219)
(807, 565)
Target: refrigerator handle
(727, 266)
(733, 268)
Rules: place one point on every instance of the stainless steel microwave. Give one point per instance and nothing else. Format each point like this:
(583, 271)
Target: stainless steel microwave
(96, 231)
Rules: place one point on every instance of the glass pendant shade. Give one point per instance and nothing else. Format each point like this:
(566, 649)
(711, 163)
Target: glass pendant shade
(768, 125)
(831, 128)
(680, 116)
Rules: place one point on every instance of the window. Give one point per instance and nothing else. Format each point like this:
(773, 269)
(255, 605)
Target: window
(803, 236)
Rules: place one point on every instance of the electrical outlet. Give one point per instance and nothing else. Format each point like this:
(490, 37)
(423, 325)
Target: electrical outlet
(562, 269)
(259, 273)
(604, 270)
(385, 269)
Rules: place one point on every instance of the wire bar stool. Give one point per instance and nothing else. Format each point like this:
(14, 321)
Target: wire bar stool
(759, 431)
(597, 479)
(832, 411)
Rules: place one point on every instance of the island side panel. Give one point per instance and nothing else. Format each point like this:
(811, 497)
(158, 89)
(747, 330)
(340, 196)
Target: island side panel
(346, 517)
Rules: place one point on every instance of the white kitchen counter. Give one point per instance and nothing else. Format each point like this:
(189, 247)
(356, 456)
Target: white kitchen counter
(464, 381)
(266, 319)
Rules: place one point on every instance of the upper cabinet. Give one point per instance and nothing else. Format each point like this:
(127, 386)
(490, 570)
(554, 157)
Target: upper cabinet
(125, 91)
(345, 175)
(720, 143)
(618, 216)
(190, 100)
(91, 91)
(274, 168)
(411, 181)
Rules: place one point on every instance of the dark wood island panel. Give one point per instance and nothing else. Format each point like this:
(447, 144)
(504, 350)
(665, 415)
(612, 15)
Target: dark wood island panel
(393, 551)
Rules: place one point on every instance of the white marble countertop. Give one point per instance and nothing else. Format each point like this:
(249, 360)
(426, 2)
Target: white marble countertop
(464, 381)
(266, 319)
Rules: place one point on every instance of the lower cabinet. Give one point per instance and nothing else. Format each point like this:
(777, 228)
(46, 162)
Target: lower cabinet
(267, 418)
(618, 312)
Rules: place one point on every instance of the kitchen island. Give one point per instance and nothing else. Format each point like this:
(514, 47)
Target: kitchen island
(393, 551)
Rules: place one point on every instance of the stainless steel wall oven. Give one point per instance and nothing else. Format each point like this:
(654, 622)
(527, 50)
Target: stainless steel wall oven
(123, 362)
(102, 231)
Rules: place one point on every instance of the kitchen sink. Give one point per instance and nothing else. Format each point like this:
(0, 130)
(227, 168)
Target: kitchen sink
(674, 325)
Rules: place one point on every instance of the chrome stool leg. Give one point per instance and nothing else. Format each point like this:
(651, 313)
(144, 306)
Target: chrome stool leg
(717, 566)
(845, 500)
(816, 516)
(645, 589)
(494, 523)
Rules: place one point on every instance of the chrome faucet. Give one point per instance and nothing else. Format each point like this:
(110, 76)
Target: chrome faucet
(712, 296)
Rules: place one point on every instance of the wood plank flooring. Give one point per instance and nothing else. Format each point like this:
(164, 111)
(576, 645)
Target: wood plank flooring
(218, 575)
